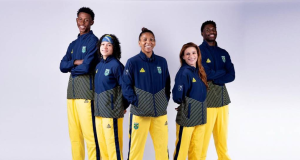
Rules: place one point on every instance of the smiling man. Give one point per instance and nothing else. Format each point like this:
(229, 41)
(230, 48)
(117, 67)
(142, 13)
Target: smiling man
(219, 70)
(80, 61)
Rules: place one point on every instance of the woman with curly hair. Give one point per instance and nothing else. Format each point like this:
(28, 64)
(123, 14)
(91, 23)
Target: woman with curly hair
(190, 92)
(147, 88)
(110, 105)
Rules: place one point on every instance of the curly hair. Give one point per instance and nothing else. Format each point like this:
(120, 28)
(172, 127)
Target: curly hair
(116, 46)
(206, 23)
(201, 71)
(145, 30)
(86, 10)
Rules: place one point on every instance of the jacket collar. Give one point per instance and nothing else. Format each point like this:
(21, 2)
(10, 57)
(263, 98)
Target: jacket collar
(185, 65)
(145, 58)
(108, 59)
(206, 44)
(85, 35)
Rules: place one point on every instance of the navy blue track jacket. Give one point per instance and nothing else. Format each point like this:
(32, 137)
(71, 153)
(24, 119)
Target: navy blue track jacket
(217, 64)
(190, 92)
(147, 85)
(219, 70)
(81, 79)
(109, 101)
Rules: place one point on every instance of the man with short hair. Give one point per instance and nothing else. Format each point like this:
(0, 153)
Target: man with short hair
(80, 61)
(219, 70)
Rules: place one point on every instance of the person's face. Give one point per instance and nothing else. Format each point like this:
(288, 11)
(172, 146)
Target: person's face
(147, 42)
(106, 49)
(190, 56)
(209, 33)
(84, 22)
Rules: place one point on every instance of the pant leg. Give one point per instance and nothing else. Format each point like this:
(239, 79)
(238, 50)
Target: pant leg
(220, 133)
(196, 143)
(87, 121)
(75, 133)
(101, 138)
(138, 132)
(113, 137)
(211, 119)
(183, 140)
(159, 135)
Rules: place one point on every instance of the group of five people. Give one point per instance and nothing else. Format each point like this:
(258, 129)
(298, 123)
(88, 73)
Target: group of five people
(100, 90)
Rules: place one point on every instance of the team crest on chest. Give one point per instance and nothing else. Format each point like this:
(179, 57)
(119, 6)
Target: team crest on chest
(158, 69)
(72, 51)
(106, 73)
(136, 125)
(96, 71)
(223, 58)
(83, 49)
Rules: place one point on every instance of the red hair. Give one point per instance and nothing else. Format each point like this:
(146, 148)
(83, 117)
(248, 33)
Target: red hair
(201, 71)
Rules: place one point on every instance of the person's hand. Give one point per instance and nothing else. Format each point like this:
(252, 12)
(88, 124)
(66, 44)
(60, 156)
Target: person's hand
(78, 62)
(125, 111)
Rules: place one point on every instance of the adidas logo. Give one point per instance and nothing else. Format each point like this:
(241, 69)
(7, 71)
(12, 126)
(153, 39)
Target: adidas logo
(194, 80)
(208, 60)
(72, 51)
(166, 123)
(142, 70)
(86, 101)
(108, 126)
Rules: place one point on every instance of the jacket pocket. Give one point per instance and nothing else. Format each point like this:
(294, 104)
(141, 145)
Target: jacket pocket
(189, 111)
(91, 82)
(137, 101)
(112, 101)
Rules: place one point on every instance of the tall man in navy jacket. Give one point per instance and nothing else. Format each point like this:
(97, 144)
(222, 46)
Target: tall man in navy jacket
(80, 61)
(219, 70)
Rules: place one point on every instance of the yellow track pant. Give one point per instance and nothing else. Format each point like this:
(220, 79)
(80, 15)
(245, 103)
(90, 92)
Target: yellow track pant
(217, 123)
(82, 128)
(138, 132)
(189, 142)
(110, 137)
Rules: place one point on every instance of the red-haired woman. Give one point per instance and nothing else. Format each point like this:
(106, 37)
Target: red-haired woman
(190, 92)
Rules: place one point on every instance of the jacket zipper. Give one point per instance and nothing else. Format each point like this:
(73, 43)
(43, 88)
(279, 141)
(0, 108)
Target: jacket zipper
(155, 113)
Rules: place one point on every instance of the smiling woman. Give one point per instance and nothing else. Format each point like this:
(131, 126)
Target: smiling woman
(147, 88)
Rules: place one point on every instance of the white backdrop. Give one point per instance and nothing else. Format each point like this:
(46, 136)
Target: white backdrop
(261, 37)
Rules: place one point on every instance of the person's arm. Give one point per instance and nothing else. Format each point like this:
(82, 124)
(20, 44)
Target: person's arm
(88, 61)
(168, 83)
(118, 72)
(210, 73)
(180, 88)
(230, 73)
(128, 83)
(66, 64)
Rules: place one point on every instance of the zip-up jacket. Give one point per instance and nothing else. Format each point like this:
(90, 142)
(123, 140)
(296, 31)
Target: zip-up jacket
(190, 92)
(147, 85)
(81, 78)
(109, 101)
(219, 70)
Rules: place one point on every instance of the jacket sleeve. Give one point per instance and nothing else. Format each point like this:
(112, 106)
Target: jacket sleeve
(118, 72)
(210, 73)
(128, 83)
(88, 61)
(230, 73)
(66, 64)
(180, 88)
(168, 83)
